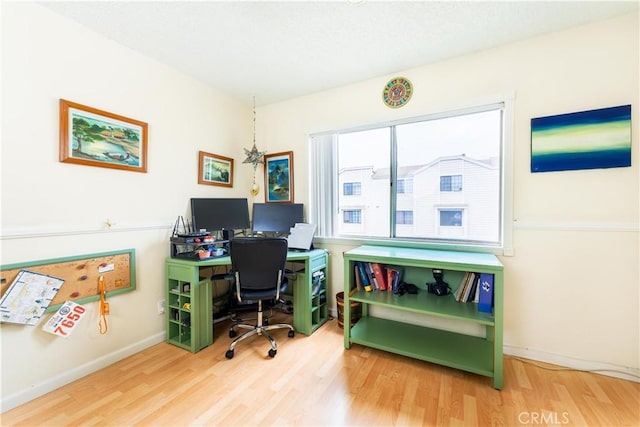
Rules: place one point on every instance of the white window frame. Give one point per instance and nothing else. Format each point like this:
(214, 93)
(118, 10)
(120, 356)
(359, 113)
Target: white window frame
(323, 206)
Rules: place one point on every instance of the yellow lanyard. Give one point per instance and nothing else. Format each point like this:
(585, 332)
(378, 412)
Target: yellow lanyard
(104, 307)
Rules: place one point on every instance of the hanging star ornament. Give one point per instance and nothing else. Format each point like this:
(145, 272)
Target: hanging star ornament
(254, 156)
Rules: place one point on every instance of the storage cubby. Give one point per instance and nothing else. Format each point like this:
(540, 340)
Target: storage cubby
(310, 290)
(318, 298)
(188, 310)
(480, 355)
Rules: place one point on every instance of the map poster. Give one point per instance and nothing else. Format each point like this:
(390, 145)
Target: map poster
(28, 297)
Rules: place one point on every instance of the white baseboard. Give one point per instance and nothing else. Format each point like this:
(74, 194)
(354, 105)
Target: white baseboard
(51, 384)
(608, 369)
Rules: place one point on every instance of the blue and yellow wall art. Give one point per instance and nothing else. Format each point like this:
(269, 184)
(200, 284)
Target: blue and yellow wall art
(591, 139)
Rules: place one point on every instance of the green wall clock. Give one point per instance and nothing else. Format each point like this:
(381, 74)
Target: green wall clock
(397, 92)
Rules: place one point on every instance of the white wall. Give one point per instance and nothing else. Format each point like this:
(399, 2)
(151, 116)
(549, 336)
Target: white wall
(572, 285)
(52, 209)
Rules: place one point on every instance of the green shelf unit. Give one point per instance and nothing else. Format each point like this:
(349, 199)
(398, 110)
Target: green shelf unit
(480, 355)
(310, 309)
(188, 309)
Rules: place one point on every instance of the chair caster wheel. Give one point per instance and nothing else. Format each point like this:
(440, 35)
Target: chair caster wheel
(229, 354)
(272, 353)
(232, 333)
(291, 334)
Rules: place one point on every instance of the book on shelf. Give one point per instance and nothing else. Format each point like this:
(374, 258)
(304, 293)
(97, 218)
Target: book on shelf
(485, 303)
(396, 273)
(364, 276)
(356, 275)
(476, 296)
(459, 289)
(471, 291)
(380, 275)
(468, 288)
(459, 293)
(372, 277)
(389, 272)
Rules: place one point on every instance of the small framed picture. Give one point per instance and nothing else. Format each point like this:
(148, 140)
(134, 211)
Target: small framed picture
(214, 169)
(278, 177)
(93, 137)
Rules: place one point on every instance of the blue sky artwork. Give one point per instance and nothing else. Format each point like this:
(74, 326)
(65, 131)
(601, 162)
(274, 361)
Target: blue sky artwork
(591, 139)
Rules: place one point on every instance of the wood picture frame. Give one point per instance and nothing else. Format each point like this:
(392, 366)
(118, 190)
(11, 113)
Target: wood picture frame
(93, 137)
(278, 177)
(214, 169)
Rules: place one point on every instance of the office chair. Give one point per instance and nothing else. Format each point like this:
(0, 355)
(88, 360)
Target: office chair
(258, 264)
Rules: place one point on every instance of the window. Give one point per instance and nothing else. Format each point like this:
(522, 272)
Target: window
(404, 217)
(451, 183)
(351, 188)
(451, 218)
(434, 179)
(351, 216)
(405, 186)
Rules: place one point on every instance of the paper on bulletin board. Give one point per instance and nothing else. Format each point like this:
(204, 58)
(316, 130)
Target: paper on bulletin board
(63, 322)
(28, 297)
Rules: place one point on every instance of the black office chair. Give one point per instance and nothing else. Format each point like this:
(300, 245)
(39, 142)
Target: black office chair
(258, 264)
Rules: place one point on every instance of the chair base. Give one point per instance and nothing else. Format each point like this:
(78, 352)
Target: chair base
(260, 328)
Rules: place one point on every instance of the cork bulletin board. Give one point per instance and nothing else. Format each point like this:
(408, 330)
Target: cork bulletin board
(80, 275)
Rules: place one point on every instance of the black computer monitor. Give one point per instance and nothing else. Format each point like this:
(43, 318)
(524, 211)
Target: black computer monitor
(219, 214)
(276, 217)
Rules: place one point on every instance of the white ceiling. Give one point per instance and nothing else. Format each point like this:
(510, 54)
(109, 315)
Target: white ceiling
(281, 50)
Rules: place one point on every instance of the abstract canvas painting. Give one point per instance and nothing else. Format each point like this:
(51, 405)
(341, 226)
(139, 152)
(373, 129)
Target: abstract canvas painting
(591, 139)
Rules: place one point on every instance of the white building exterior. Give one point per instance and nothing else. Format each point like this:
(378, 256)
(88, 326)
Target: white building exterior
(452, 197)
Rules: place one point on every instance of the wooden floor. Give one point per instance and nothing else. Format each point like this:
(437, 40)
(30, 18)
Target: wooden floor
(315, 381)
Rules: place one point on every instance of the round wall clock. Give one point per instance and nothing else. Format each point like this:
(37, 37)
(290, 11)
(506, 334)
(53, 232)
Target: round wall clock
(397, 92)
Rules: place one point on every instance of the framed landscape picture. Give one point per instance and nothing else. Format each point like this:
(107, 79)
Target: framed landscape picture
(93, 137)
(214, 169)
(278, 177)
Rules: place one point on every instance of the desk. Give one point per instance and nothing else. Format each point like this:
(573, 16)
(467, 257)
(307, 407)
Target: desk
(189, 301)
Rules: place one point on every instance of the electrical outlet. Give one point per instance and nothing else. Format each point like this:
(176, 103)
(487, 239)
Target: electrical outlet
(160, 306)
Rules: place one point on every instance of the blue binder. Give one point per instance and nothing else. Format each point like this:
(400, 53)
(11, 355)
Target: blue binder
(485, 301)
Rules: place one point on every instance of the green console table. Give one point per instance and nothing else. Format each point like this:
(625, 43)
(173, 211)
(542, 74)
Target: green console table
(189, 302)
(480, 355)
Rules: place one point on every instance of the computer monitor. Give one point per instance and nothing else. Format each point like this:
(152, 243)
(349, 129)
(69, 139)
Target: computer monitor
(276, 217)
(220, 214)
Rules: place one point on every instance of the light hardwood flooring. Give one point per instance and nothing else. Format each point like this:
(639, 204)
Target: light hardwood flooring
(315, 381)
